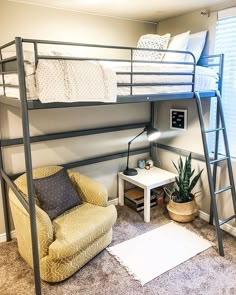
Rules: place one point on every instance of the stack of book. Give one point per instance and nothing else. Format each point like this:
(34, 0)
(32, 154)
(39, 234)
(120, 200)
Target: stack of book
(134, 198)
(160, 195)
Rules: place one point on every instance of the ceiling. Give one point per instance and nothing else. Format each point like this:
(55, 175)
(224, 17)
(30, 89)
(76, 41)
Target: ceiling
(142, 10)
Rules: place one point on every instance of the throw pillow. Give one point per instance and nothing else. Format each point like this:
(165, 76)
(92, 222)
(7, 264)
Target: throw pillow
(56, 193)
(195, 45)
(151, 41)
(178, 42)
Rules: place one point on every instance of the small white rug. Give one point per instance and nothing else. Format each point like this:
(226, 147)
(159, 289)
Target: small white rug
(155, 252)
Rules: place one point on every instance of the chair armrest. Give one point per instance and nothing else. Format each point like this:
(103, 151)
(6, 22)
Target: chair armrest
(90, 190)
(21, 220)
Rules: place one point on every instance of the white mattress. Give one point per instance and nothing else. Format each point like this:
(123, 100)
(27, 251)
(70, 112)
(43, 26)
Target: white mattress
(205, 80)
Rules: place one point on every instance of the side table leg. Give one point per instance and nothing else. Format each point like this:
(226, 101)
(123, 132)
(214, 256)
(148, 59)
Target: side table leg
(121, 191)
(146, 205)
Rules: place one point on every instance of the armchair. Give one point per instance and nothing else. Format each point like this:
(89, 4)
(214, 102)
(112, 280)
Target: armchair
(72, 239)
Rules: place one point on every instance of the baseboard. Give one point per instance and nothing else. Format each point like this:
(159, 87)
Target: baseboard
(204, 215)
(3, 236)
(113, 202)
(226, 227)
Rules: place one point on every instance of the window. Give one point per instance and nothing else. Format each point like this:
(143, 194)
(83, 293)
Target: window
(226, 43)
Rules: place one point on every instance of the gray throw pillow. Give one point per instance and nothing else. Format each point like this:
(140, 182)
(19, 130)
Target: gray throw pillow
(56, 193)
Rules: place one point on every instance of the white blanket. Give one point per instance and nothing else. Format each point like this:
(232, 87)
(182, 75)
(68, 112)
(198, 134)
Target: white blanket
(70, 81)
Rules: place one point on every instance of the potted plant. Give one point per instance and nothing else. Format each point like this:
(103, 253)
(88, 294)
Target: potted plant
(182, 206)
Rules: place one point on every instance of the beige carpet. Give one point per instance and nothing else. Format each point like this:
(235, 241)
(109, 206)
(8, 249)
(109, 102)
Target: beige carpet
(205, 274)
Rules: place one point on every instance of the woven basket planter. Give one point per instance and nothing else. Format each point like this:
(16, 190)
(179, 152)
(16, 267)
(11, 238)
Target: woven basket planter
(182, 212)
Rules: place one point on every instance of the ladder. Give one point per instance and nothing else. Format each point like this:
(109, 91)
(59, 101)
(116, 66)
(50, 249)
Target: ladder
(212, 173)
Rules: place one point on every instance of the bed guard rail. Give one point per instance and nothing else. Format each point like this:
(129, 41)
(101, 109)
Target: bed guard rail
(216, 62)
(8, 65)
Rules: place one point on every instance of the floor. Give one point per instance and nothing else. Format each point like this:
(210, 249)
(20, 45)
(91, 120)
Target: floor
(206, 273)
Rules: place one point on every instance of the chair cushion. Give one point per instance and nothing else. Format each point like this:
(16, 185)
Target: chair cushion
(56, 193)
(75, 230)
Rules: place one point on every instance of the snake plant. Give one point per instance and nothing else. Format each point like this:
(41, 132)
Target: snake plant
(184, 184)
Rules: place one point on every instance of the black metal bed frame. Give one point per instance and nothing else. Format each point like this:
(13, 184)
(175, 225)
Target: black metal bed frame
(15, 65)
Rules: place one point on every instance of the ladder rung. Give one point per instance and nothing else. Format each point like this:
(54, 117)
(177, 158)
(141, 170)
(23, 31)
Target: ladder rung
(223, 189)
(227, 219)
(219, 160)
(214, 130)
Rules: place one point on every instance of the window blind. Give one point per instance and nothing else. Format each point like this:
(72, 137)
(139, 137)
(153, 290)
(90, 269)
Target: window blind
(225, 42)
(227, 13)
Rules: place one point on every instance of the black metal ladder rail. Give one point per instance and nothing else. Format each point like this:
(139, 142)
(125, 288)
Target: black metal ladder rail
(213, 174)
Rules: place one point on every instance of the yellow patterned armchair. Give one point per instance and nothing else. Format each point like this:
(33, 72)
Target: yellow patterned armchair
(69, 241)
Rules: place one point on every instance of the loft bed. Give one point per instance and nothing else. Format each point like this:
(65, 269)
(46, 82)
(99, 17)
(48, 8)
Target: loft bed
(170, 81)
(137, 80)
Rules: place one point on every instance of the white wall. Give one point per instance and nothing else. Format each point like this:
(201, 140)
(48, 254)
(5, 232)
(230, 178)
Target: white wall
(190, 140)
(31, 21)
(193, 22)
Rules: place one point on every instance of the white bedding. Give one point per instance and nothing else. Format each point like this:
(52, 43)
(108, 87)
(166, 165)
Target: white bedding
(73, 80)
(206, 78)
(56, 84)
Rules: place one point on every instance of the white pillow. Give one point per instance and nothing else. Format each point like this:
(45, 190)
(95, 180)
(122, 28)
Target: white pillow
(151, 41)
(178, 42)
(195, 45)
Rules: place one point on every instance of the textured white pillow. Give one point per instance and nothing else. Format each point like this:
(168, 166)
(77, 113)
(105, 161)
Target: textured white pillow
(151, 41)
(195, 45)
(178, 42)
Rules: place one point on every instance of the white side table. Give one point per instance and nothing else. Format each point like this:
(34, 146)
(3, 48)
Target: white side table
(147, 180)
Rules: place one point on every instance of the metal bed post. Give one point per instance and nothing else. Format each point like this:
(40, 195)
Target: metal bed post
(152, 117)
(3, 77)
(152, 113)
(4, 199)
(3, 183)
(221, 69)
(131, 69)
(194, 73)
(28, 163)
